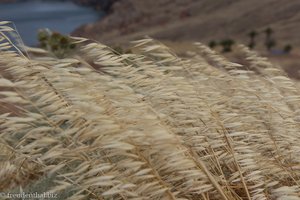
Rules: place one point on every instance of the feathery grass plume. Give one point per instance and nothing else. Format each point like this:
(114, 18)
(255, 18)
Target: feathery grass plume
(10, 38)
(150, 125)
(125, 71)
(207, 111)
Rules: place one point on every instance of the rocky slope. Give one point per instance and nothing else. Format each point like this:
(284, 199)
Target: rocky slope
(200, 20)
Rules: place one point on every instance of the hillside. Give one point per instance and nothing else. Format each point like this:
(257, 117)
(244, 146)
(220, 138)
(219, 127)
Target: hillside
(195, 20)
(178, 23)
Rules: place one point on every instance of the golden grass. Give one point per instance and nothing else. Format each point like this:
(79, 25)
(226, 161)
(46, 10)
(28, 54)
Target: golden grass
(154, 126)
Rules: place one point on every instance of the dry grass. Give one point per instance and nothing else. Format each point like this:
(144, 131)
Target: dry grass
(154, 126)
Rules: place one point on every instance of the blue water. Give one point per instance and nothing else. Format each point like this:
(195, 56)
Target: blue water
(30, 16)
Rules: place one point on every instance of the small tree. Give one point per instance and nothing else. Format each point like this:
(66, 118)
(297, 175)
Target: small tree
(227, 45)
(252, 36)
(270, 42)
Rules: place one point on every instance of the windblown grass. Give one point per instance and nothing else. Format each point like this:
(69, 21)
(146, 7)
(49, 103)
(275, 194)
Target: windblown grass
(153, 126)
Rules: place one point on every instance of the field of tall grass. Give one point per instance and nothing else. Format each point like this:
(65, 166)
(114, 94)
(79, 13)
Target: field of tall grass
(147, 125)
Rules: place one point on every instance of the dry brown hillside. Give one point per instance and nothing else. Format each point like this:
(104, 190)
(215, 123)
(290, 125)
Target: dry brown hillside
(200, 20)
(182, 22)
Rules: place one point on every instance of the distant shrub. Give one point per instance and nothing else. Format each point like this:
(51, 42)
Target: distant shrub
(227, 45)
(268, 31)
(56, 43)
(252, 36)
(269, 41)
(212, 44)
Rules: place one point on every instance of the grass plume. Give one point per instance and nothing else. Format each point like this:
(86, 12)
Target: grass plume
(148, 125)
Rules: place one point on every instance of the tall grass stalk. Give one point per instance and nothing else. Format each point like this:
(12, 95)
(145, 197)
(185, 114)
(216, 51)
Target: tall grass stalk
(148, 125)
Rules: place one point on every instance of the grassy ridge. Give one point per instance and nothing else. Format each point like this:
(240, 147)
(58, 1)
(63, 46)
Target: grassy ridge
(153, 126)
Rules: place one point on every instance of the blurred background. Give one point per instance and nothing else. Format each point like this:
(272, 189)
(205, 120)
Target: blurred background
(270, 27)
